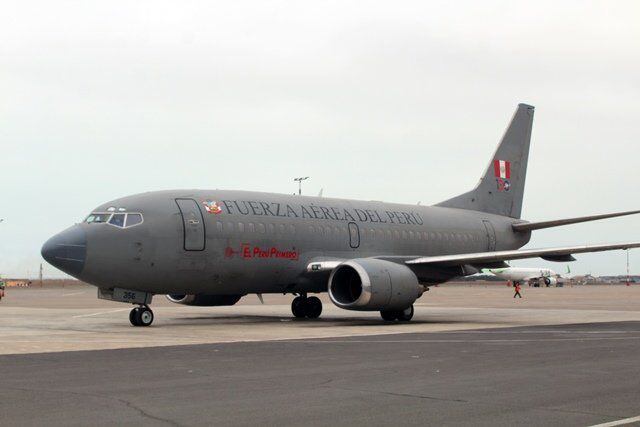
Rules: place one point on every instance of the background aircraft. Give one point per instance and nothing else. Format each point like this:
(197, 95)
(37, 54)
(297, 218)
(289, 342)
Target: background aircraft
(533, 276)
(211, 247)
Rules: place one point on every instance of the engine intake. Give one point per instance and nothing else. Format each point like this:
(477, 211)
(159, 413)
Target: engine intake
(368, 284)
(204, 300)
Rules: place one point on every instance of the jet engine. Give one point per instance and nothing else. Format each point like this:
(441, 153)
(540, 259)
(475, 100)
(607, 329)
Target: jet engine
(368, 284)
(204, 300)
(550, 281)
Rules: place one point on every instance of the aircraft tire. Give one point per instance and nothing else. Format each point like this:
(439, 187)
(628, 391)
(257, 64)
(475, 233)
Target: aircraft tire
(406, 314)
(313, 307)
(389, 315)
(144, 316)
(133, 316)
(298, 307)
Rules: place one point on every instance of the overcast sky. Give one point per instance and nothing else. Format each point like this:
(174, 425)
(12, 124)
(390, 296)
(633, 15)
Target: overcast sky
(395, 101)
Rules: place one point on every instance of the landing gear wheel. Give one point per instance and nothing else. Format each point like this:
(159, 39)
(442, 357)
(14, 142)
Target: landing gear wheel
(145, 316)
(313, 307)
(389, 315)
(406, 314)
(133, 316)
(298, 306)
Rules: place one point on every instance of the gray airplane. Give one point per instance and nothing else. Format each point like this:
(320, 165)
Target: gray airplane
(212, 247)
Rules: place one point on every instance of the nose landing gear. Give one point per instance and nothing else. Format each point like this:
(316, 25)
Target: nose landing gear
(309, 307)
(141, 316)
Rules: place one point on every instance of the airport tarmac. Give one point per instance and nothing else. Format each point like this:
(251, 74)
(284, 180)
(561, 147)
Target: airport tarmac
(472, 356)
(36, 319)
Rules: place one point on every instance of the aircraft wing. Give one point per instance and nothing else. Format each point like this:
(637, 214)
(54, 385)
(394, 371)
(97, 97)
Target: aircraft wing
(493, 257)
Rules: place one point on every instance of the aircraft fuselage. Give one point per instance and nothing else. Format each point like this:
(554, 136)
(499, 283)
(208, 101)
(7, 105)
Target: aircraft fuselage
(237, 242)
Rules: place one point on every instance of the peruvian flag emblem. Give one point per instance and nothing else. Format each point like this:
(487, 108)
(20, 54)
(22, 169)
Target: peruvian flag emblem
(502, 169)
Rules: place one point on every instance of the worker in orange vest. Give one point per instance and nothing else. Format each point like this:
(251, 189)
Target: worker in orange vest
(517, 288)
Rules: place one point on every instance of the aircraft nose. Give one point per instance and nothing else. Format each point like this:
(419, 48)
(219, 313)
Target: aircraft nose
(67, 250)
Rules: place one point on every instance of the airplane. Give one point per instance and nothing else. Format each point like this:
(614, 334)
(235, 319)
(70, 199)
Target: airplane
(534, 276)
(212, 247)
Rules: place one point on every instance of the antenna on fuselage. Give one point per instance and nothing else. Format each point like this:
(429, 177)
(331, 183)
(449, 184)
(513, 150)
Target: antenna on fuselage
(300, 179)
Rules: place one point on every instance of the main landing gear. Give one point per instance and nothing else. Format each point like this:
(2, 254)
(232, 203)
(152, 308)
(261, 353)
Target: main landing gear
(309, 307)
(401, 315)
(141, 316)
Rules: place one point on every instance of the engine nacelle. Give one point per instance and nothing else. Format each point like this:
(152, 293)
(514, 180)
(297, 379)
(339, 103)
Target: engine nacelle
(550, 281)
(204, 300)
(368, 284)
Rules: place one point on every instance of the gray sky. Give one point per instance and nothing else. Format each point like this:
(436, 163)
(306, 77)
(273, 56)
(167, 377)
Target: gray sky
(395, 101)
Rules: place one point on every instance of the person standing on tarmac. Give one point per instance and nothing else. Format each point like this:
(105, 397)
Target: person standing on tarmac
(516, 286)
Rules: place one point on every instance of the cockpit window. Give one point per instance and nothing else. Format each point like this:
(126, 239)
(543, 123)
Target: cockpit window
(133, 219)
(117, 220)
(97, 217)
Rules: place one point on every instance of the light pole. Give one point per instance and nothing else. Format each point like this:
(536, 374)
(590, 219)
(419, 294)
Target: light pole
(302, 178)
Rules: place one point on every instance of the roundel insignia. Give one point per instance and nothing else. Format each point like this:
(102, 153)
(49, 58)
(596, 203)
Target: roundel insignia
(212, 207)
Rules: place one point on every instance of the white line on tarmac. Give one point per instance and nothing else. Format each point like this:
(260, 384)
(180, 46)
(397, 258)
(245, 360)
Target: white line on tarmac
(320, 340)
(99, 313)
(619, 422)
(75, 293)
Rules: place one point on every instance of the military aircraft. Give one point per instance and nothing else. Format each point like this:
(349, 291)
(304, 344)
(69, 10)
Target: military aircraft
(212, 247)
(533, 276)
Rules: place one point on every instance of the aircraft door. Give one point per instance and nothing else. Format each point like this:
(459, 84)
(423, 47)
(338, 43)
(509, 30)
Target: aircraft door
(491, 235)
(354, 235)
(193, 225)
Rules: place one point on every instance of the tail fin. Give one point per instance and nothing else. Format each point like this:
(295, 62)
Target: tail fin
(501, 189)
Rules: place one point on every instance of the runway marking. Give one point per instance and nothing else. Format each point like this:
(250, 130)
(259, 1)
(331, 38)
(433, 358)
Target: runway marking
(99, 313)
(74, 293)
(322, 341)
(619, 422)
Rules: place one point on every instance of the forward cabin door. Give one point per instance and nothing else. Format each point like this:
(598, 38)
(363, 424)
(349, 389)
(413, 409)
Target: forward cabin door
(491, 235)
(193, 225)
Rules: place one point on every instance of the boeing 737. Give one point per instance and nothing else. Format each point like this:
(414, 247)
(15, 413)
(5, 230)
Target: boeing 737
(212, 247)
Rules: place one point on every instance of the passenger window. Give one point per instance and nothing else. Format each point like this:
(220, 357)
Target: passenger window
(292, 229)
(117, 220)
(404, 234)
(271, 228)
(252, 228)
(396, 234)
(229, 227)
(261, 228)
(241, 227)
(133, 219)
(281, 228)
(411, 235)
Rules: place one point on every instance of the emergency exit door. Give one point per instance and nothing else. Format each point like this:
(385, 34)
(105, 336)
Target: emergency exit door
(354, 235)
(193, 225)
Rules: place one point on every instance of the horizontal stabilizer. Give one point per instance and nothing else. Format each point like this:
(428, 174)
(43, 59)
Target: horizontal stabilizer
(481, 258)
(529, 226)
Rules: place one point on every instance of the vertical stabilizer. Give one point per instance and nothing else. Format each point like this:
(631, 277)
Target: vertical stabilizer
(501, 189)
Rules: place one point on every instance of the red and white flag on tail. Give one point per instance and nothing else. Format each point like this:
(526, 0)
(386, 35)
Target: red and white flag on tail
(502, 169)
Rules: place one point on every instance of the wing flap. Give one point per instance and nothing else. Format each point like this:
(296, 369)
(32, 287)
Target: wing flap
(480, 258)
